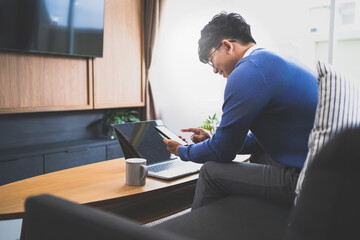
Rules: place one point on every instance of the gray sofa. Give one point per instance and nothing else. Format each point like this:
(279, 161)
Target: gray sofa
(328, 208)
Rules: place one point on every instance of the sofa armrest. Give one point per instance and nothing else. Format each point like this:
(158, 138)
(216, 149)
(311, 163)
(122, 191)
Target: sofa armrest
(234, 217)
(49, 217)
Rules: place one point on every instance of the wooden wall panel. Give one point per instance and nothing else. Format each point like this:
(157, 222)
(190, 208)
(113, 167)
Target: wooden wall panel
(118, 78)
(30, 82)
(35, 83)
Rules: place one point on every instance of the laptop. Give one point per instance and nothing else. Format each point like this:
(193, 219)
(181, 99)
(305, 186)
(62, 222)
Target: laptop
(142, 140)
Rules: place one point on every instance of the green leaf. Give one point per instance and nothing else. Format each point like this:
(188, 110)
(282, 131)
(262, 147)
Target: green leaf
(124, 115)
(133, 119)
(210, 123)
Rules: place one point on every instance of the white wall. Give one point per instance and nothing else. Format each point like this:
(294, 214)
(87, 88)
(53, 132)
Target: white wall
(186, 91)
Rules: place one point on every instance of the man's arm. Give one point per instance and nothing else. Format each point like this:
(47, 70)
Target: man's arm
(251, 145)
(199, 135)
(246, 96)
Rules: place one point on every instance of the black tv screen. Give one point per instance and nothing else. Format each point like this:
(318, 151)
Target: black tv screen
(66, 27)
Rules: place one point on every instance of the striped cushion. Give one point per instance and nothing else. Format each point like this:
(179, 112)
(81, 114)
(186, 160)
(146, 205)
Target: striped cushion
(338, 108)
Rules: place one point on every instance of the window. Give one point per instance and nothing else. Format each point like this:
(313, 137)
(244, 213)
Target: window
(335, 29)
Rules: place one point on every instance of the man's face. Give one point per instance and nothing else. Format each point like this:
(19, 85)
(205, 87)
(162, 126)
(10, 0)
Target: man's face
(221, 59)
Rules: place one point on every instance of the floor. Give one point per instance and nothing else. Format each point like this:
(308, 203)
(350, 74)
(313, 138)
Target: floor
(151, 224)
(10, 229)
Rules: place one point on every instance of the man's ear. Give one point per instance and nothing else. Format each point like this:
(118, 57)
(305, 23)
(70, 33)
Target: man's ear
(228, 45)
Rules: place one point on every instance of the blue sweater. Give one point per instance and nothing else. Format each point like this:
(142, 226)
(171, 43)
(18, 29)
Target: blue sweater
(275, 99)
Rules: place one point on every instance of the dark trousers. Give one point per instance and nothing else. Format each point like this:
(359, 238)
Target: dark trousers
(262, 177)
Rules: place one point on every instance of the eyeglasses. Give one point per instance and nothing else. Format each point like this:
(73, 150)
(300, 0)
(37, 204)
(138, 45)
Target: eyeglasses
(217, 48)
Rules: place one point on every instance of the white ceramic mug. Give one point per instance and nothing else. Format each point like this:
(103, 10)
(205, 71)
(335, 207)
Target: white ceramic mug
(136, 171)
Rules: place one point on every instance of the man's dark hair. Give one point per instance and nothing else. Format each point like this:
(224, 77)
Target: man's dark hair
(222, 26)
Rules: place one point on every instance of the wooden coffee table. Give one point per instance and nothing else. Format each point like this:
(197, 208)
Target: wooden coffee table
(102, 185)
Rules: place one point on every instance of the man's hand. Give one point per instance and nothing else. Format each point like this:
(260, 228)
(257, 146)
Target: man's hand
(172, 146)
(199, 134)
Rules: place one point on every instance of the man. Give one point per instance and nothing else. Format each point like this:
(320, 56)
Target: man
(268, 111)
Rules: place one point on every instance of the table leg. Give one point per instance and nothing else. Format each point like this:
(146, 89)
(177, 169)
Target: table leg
(22, 232)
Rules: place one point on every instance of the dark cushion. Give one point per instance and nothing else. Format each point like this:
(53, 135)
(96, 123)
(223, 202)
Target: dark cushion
(234, 217)
(329, 204)
(48, 217)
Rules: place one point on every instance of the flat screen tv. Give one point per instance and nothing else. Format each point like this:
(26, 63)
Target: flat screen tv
(65, 27)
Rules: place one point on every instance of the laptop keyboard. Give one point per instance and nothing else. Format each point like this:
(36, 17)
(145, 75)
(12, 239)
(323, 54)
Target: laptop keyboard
(167, 165)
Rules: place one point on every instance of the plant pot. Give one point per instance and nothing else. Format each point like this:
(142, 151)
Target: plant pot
(109, 131)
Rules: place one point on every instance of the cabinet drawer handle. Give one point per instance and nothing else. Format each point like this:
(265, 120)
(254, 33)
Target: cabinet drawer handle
(77, 150)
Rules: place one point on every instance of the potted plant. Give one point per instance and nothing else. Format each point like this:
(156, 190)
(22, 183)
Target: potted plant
(210, 124)
(115, 117)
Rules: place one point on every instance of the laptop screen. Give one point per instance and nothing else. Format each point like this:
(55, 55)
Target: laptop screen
(144, 139)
